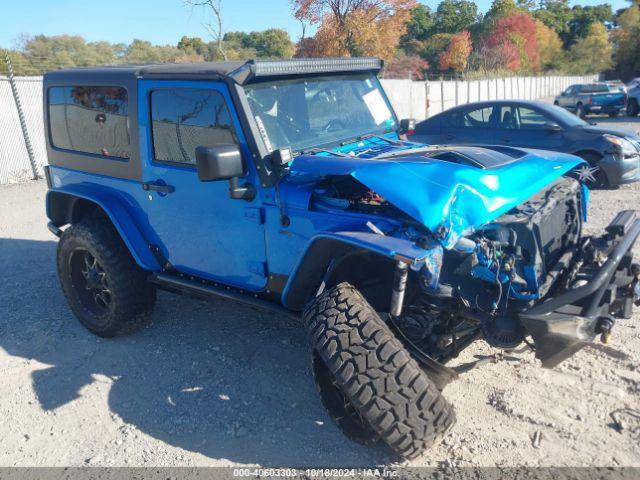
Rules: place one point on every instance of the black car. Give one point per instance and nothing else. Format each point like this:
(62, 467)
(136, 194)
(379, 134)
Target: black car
(541, 126)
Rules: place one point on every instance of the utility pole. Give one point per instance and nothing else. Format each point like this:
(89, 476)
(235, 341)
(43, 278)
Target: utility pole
(23, 122)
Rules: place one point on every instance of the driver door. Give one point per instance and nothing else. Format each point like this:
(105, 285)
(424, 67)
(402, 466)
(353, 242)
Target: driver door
(199, 229)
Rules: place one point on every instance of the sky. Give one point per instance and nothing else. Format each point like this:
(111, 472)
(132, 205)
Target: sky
(158, 21)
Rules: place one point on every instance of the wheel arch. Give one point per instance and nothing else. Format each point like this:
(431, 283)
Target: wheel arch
(346, 256)
(65, 207)
(588, 151)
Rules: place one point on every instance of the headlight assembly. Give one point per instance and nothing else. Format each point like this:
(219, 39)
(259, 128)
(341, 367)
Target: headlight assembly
(623, 146)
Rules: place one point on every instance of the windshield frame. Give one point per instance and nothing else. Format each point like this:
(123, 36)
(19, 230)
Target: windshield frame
(258, 131)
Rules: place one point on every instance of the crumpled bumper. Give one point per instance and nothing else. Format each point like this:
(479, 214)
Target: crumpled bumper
(608, 289)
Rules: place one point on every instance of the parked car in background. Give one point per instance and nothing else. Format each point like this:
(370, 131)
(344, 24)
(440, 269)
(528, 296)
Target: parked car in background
(616, 152)
(633, 83)
(585, 99)
(633, 101)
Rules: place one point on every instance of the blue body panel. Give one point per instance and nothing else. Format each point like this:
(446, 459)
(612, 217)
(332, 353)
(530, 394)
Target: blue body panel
(118, 198)
(446, 196)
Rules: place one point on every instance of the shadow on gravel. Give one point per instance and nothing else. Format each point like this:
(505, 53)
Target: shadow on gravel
(217, 378)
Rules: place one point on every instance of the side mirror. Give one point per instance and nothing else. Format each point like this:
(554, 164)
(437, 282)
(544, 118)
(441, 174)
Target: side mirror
(552, 127)
(407, 125)
(221, 162)
(224, 162)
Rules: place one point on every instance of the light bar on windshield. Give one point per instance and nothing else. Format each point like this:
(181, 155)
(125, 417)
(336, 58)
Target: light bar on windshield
(301, 66)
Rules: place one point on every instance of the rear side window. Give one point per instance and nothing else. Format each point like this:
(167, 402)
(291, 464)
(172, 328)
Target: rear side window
(475, 118)
(90, 119)
(594, 89)
(184, 119)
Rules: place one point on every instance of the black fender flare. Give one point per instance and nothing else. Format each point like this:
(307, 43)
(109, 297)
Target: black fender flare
(328, 247)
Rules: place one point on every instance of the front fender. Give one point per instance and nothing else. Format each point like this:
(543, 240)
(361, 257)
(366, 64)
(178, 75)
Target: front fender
(61, 203)
(327, 246)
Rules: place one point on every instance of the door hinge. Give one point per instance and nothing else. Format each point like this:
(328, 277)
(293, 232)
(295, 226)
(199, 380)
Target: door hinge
(255, 214)
(259, 268)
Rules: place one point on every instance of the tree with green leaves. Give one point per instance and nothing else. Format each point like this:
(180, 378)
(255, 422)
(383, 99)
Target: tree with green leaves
(627, 40)
(555, 14)
(584, 17)
(453, 16)
(592, 53)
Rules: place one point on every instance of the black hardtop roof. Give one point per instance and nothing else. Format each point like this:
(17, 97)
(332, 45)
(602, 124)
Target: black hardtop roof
(240, 71)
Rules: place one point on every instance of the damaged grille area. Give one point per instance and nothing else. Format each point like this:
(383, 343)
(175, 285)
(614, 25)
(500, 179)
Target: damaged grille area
(548, 227)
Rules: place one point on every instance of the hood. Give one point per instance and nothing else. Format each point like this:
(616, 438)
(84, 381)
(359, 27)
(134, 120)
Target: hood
(620, 132)
(447, 192)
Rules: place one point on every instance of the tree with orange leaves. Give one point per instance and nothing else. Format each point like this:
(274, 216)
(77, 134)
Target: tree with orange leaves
(456, 57)
(354, 27)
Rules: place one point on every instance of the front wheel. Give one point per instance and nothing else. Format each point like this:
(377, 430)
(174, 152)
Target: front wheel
(597, 177)
(371, 386)
(104, 287)
(632, 108)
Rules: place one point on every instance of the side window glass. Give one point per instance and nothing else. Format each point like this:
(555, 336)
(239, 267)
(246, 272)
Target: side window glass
(508, 119)
(454, 119)
(90, 119)
(531, 120)
(479, 118)
(184, 119)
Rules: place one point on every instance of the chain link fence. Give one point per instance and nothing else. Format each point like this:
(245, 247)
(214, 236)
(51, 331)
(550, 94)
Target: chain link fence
(22, 140)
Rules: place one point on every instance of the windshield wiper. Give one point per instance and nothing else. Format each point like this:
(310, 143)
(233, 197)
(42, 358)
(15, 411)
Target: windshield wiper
(373, 135)
(311, 151)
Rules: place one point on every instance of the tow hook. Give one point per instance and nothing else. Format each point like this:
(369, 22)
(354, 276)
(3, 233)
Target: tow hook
(604, 327)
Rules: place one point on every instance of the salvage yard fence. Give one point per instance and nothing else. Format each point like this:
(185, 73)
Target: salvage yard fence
(22, 141)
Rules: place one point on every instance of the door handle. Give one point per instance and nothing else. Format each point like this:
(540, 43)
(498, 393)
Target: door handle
(158, 186)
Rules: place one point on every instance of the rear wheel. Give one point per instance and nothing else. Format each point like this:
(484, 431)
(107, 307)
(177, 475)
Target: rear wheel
(632, 108)
(105, 288)
(368, 382)
(580, 111)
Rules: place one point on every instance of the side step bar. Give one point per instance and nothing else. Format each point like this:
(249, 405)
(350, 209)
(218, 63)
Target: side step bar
(206, 290)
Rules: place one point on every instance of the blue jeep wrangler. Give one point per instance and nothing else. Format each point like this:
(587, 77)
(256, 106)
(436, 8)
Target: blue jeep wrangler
(290, 186)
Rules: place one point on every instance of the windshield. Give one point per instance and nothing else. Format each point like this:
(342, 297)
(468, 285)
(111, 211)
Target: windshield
(568, 118)
(308, 112)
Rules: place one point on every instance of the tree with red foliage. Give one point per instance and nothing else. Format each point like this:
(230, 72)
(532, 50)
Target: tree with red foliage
(515, 37)
(456, 57)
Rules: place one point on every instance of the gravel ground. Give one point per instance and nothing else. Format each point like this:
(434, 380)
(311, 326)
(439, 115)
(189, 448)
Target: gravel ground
(215, 383)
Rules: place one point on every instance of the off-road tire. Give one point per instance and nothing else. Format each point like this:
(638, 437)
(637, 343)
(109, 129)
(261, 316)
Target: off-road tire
(391, 393)
(632, 108)
(131, 297)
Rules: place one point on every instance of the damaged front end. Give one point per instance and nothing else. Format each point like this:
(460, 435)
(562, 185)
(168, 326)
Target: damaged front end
(503, 255)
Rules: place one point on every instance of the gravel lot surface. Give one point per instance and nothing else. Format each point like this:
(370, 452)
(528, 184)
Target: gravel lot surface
(215, 383)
